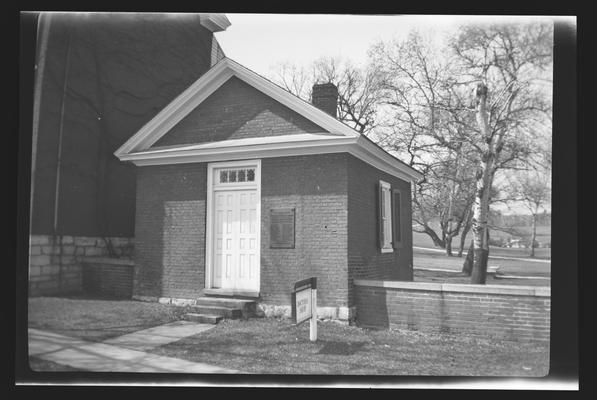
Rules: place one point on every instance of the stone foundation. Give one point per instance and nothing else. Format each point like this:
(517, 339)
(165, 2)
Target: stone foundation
(346, 314)
(55, 262)
(341, 314)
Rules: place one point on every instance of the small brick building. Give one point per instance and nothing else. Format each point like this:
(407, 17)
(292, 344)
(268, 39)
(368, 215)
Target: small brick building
(244, 189)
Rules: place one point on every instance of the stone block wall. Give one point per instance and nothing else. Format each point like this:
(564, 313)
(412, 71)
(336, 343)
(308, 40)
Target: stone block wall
(55, 262)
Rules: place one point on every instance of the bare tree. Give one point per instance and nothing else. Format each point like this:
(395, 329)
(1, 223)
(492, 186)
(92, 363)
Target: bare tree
(499, 127)
(423, 122)
(294, 79)
(512, 60)
(358, 88)
(533, 190)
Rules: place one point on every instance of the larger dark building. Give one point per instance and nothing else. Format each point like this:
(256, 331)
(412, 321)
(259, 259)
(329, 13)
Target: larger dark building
(99, 77)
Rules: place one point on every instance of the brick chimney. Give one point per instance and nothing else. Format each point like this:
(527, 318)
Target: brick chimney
(325, 97)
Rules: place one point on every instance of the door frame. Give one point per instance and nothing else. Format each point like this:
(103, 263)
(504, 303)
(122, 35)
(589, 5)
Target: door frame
(209, 222)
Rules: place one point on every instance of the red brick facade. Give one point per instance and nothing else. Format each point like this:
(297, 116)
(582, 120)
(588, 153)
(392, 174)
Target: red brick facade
(518, 314)
(334, 197)
(237, 111)
(365, 260)
(317, 187)
(170, 231)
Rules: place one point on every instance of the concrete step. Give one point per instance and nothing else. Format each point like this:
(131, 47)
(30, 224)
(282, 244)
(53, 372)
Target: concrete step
(232, 293)
(247, 307)
(224, 302)
(226, 312)
(203, 318)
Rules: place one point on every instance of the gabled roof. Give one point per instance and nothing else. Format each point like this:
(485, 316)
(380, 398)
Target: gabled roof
(338, 138)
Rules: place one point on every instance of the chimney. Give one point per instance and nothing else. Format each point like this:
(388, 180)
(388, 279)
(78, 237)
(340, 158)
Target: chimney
(325, 97)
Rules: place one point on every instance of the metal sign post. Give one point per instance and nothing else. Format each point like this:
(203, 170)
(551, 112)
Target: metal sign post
(304, 304)
(313, 322)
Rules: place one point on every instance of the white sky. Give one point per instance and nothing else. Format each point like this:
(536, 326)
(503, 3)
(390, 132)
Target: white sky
(260, 41)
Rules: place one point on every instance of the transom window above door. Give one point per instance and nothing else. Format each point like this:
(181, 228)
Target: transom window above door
(236, 175)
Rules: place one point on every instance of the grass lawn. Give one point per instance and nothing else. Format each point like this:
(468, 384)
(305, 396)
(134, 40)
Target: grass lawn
(423, 240)
(458, 277)
(276, 346)
(432, 259)
(97, 320)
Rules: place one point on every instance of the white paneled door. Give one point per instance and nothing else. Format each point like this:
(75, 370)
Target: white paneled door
(235, 240)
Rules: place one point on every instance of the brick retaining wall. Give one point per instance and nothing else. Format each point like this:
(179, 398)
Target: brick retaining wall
(55, 263)
(108, 277)
(518, 313)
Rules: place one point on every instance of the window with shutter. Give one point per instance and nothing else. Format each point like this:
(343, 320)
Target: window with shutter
(385, 217)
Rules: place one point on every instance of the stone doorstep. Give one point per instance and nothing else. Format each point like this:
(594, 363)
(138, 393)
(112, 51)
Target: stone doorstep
(203, 318)
(224, 312)
(230, 293)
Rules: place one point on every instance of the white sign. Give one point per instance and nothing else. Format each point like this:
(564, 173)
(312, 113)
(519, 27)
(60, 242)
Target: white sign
(303, 305)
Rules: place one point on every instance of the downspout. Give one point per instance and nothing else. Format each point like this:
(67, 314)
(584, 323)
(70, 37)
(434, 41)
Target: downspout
(59, 159)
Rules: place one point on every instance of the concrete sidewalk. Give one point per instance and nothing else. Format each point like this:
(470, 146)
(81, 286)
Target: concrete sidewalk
(158, 336)
(102, 357)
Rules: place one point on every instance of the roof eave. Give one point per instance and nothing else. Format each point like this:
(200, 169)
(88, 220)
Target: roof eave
(281, 148)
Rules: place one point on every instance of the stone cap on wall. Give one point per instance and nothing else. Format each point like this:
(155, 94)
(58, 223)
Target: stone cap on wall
(539, 291)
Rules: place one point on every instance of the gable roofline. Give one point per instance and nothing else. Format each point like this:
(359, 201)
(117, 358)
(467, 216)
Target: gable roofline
(140, 143)
(208, 83)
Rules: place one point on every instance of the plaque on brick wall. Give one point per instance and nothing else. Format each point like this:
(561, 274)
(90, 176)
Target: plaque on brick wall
(282, 228)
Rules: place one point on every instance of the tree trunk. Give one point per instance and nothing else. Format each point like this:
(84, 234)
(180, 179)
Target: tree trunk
(465, 229)
(484, 182)
(479, 273)
(467, 266)
(436, 239)
(449, 246)
(534, 235)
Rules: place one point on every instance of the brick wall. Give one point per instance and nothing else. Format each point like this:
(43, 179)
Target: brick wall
(55, 263)
(506, 312)
(365, 260)
(170, 231)
(112, 278)
(316, 186)
(236, 111)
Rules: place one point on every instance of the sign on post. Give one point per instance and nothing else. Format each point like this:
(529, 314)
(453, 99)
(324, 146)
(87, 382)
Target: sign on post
(304, 304)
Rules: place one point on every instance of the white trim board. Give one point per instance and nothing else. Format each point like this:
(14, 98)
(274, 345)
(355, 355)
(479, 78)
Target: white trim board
(138, 147)
(242, 149)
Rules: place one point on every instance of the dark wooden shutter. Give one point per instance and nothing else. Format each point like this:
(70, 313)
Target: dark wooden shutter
(380, 238)
(396, 223)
